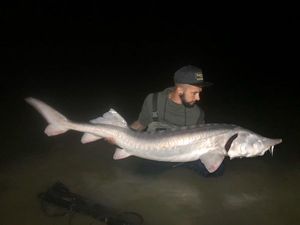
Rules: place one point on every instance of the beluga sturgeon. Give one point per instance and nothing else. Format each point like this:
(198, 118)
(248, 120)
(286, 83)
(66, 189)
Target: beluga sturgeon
(210, 143)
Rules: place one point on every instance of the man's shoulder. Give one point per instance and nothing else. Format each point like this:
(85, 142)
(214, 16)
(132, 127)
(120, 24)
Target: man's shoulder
(165, 92)
(160, 94)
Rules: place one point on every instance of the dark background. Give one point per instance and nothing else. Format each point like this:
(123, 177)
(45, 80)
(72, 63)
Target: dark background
(50, 42)
(84, 57)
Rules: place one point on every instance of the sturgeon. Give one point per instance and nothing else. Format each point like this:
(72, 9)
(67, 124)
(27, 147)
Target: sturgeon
(210, 143)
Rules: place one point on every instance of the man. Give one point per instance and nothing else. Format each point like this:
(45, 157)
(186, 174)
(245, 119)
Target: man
(176, 107)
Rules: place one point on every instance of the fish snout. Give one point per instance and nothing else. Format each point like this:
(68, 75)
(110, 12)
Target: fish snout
(278, 141)
(270, 143)
(273, 142)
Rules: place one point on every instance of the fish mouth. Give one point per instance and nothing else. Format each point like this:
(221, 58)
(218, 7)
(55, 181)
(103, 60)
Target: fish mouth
(276, 142)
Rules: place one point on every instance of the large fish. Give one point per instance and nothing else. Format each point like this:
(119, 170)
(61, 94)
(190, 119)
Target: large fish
(209, 143)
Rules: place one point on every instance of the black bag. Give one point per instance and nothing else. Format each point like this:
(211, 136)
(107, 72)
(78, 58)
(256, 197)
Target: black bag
(61, 196)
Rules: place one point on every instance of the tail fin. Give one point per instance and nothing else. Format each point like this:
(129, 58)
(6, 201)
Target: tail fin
(57, 122)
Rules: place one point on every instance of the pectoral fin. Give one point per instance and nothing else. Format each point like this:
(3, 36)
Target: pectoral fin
(212, 160)
(120, 154)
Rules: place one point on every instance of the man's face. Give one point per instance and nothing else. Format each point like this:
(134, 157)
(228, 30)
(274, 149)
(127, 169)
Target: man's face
(190, 95)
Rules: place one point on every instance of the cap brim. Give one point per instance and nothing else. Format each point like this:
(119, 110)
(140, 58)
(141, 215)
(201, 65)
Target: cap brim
(202, 84)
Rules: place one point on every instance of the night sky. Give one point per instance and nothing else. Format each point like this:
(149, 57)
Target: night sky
(112, 54)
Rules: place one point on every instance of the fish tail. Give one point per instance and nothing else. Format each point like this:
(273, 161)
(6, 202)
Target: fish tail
(57, 122)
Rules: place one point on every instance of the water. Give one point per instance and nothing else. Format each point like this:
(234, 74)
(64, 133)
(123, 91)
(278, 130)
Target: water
(252, 191)
(262, 190)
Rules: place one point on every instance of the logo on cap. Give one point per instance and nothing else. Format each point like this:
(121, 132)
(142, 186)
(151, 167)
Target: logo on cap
(199, 76)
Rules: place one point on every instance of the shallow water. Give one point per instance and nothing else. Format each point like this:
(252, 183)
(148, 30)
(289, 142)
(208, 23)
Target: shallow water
(261, 190)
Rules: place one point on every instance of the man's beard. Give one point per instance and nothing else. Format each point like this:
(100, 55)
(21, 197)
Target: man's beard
(185, 103)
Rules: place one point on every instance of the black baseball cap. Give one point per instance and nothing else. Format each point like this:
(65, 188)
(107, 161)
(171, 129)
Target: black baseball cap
(190, 75)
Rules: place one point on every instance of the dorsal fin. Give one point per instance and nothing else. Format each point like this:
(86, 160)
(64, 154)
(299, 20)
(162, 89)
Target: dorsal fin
(112, 118)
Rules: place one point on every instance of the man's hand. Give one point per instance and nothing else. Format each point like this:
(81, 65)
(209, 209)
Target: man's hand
(136, 125)
(110, 140)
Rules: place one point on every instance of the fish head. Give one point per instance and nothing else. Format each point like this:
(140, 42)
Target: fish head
(249, 144)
